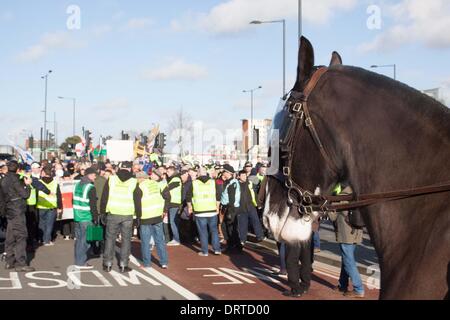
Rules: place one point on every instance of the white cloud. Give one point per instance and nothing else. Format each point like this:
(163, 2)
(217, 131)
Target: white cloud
(426, 22)
(177, 70)
(234, 16)
(138, 23)
(47, 43)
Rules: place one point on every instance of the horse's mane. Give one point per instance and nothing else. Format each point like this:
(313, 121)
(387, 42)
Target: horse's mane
(414, 100)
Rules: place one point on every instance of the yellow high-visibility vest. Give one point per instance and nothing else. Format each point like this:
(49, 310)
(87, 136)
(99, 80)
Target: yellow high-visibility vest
(204, 196)
(120, 199)
(175, 194)
(152, 200)
(48, 201)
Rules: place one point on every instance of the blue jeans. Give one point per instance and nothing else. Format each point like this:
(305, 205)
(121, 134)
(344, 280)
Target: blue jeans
(81, 245)
(47, 219)
(243, 219)
(282, 252)
(203, 223)
(155, 231)
(316, 240)
(173, 226)
(349, 269)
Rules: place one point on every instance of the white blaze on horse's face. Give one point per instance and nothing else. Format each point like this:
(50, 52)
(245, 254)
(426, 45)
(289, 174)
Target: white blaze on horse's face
(284, 226)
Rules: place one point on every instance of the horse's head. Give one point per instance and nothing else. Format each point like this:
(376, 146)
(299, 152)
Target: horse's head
(308, 166)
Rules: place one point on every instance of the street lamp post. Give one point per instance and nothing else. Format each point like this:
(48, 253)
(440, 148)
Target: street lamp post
(283, 21)
(74, 100)
(387, 66)
(45, 106)
(251, 116)
(299, 19)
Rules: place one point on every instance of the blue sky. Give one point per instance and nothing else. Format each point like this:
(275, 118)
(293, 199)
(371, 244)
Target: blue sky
(134, 63)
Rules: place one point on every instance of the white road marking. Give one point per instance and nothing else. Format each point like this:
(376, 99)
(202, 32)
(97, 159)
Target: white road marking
(167, 281)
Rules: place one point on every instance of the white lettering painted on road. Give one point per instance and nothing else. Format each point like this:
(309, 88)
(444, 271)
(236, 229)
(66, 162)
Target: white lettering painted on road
(249, 273)
(218, 273)
(77, 280)
(122, 279)
(32, 276)
(14, 279)
(167, 281)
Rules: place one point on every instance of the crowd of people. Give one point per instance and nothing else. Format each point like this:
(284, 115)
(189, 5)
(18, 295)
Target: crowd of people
(162, 205)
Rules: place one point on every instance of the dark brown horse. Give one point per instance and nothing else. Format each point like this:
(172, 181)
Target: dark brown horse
(381, 135)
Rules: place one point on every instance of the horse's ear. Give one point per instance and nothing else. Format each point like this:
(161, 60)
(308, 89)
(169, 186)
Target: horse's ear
(335, 59)
(305, 64)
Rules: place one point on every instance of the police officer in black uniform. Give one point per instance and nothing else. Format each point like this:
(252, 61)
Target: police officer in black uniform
(15, 192)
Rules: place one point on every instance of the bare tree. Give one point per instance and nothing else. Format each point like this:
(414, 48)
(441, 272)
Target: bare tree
(181, 123)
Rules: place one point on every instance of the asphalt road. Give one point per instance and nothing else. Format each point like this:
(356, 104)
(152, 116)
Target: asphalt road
(246, 276)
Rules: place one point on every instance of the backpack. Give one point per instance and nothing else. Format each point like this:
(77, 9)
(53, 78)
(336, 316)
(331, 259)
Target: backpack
(354, 219)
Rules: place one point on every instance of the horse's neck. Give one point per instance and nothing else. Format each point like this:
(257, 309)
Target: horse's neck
(391, 143)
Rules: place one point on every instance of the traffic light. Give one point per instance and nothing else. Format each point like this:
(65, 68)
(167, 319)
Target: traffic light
(88, 137)
(162, 140)
(31, 142)
(157, 138)
(51, 139)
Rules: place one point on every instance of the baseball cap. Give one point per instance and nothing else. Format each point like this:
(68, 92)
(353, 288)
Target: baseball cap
(90, 170)
(228, 168)
(127, 164)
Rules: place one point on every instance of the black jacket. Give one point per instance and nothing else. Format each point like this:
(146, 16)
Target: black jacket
(15, 193)
(123, 175)
(245, 203)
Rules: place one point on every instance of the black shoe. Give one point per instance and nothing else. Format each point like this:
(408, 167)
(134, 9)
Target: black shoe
(9, 266)
(25, 269)
(125, 269)
(292, 293)
(107, 268)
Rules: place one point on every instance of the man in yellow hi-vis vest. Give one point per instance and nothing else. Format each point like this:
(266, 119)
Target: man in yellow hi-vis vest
(203, 200)
(154, 204)
(118, 205)
(175, 187)
(247, 210)
(48, 205)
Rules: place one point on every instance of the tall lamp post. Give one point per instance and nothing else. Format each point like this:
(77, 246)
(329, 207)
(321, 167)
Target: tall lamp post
(299, 19)
(283, 21)
(387, 66)
(74, 100)
(251, 116)
(45, 77)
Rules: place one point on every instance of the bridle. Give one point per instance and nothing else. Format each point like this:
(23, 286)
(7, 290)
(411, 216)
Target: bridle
(306, 203)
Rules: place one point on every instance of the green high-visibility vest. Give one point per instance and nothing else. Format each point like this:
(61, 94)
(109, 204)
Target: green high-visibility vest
(81, 204)
(337, 189)
(252, 193)
(175, 194)
(154, 158)
(204, 196)
(48, 201)
(32, 199)
(152, 200)
(120, 200)
(260, 177)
